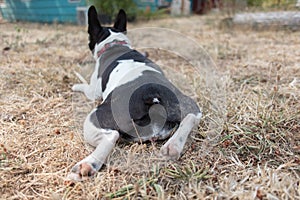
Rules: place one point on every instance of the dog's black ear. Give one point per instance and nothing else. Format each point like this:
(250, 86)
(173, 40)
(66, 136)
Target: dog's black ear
(94, 28)
(121, 21)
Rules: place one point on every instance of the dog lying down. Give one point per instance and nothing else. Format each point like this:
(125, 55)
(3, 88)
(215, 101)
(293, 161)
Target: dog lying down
(138, 102)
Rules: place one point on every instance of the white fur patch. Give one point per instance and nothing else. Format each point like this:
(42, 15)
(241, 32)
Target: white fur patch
(126, 71)
(93, 134)
(113, 36)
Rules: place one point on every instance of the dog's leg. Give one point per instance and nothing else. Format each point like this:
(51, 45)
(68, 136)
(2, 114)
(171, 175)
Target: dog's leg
(174, 146)
(93, 90)
(104, 140)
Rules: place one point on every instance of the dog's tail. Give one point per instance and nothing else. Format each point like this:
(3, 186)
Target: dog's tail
(155, 100)
(151, 100)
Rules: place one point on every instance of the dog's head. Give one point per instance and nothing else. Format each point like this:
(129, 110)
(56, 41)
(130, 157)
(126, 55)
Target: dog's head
(99, 35)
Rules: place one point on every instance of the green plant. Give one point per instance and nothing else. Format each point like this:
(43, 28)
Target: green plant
(188, 172)
(112, 7)
(270, 3)
(148, 15)
(255, 3)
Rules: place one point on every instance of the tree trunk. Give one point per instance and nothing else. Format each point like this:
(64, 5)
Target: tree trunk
(264, 20)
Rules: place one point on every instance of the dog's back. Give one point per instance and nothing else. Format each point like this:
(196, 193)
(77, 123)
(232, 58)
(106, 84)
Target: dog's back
(128, 97)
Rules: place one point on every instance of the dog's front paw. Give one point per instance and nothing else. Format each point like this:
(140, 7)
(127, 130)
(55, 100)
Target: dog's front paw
(81, 171)
(170, 151)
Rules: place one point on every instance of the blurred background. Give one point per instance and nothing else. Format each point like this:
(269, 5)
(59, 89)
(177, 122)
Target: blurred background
(74, 11)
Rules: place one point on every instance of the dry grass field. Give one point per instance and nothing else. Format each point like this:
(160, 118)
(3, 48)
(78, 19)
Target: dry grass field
(255, 154)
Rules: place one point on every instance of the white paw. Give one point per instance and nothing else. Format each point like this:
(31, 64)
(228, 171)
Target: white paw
(82, 171)
(171, 151)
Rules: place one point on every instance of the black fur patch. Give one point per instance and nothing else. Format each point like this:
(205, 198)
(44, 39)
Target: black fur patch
(131, 55)
(141, 101)
(135, 109)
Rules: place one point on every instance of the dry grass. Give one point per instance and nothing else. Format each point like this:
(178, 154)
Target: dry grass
(256, 154)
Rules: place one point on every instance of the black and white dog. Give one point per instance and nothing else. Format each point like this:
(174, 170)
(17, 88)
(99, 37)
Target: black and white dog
(138, 102)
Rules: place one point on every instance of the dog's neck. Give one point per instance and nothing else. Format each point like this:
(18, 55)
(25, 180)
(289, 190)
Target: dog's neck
(114, 39)
(111, 44)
